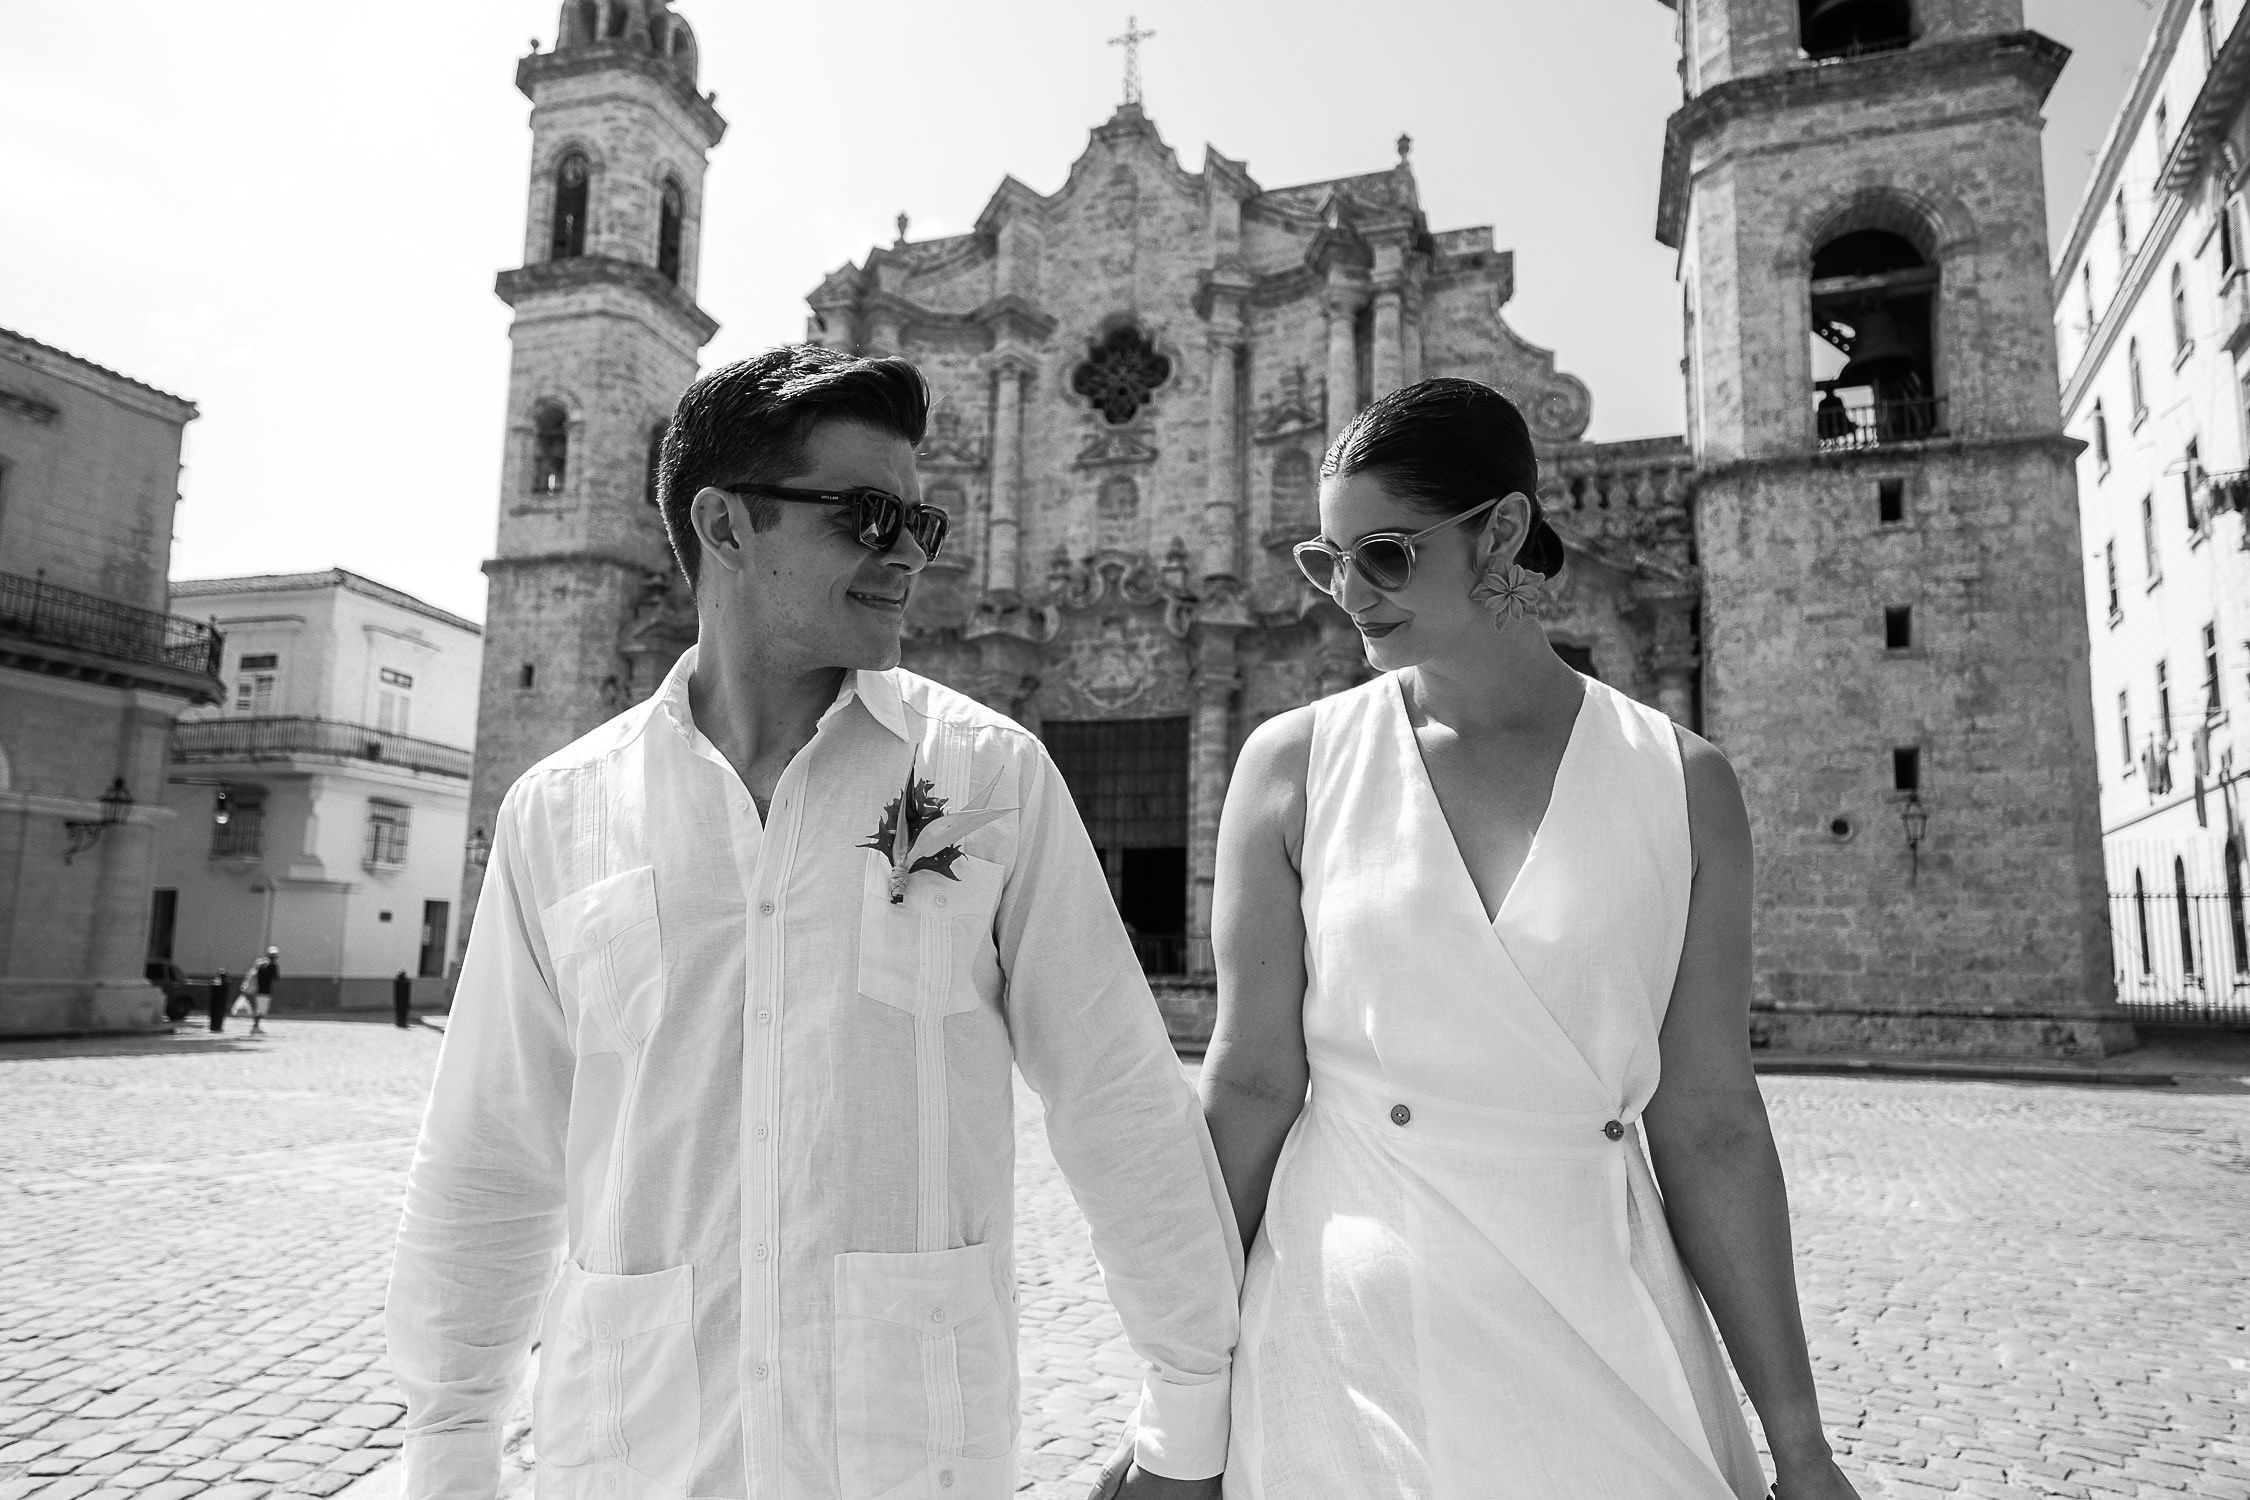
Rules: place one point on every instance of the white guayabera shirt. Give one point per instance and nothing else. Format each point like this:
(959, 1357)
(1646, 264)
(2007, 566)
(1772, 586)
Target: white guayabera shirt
(763, 1114)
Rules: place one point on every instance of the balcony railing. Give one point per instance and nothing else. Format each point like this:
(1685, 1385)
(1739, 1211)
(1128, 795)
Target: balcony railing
(2234, 311)
(1842, 426)
(288, 737)
(33, 609)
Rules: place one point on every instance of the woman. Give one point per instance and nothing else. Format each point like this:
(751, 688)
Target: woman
(1481, 906)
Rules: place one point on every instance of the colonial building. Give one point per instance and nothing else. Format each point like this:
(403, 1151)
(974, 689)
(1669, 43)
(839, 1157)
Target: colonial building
(1139, 372)
(92, 673)
(322, 806)
(2152, 313)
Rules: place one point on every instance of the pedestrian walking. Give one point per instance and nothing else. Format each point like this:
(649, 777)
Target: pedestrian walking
(219, 1000)
(268, 970)
(402, 1000)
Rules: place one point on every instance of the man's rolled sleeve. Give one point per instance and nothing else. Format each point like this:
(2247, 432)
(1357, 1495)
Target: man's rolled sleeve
(1125, 1127)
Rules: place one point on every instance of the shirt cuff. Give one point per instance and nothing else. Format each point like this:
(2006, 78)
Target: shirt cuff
(1182, 1430)
(461, 1464)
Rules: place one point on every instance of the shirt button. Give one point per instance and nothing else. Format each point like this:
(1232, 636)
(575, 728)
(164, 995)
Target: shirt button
(759, 1371)
(602, 1332)
(765, 1017)
(760, 1252)
(945, 1479)
(1614, 1131)
(937, 1314)
(941, 901)
(765, 908)
(761, 1132)
(1400, 1114)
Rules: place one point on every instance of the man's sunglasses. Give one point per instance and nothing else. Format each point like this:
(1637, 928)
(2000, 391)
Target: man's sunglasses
(1385, 559)
(878, 515)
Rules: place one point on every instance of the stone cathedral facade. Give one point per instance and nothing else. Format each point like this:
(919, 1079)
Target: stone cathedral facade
(1138, 375)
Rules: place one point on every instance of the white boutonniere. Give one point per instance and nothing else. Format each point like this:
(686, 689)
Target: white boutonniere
(915, 832)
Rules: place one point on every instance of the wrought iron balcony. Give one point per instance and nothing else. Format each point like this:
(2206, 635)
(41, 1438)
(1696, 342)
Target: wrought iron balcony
(2229, 489)
(1841, 426)
(107, 639)
(287, 737)
(2234, 311)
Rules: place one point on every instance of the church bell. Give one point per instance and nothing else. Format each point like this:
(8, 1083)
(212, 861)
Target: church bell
(1837, 28)
(1882, 352)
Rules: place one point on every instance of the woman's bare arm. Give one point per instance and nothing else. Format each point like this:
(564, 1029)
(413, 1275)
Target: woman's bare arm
(1713, 1149)
(1254, 1074)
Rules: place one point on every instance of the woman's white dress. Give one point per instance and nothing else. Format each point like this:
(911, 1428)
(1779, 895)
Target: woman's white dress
(1464, 1285)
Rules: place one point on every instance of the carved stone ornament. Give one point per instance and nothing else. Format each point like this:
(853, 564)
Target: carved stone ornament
(1106, 446)
(1132, 578)
(949, 445)
(1294, 409)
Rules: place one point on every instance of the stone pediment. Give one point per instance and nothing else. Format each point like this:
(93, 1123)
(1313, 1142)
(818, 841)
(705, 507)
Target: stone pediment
(949, 444)
(1295, 408)
(1109, 447)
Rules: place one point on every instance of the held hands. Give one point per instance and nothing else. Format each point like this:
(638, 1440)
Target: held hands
(1122, 1479)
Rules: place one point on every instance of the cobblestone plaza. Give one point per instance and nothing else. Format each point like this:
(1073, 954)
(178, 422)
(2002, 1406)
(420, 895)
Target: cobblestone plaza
(2011, 1289)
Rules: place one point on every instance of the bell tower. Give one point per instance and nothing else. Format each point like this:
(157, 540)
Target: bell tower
(606, 336)
(1894, 625)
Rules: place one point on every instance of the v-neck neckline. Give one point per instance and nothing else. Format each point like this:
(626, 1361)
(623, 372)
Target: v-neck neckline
(1437, 803)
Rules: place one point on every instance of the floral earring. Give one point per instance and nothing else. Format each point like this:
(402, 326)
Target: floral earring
(1508, 592)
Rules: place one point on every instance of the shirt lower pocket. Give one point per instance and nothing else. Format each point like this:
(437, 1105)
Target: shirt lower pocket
(925, 1376)
(617, 1376)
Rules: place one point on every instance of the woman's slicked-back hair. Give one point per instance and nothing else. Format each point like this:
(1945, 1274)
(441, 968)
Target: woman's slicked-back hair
(748, 422)
(1445, 446)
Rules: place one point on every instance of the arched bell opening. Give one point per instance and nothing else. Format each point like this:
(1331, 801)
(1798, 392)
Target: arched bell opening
(1874, 299)
(1852, 28)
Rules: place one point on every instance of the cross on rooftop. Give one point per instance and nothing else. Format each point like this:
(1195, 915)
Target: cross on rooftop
(1131, 42)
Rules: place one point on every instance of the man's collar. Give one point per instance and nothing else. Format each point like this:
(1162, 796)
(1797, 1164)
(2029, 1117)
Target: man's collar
(876, 691)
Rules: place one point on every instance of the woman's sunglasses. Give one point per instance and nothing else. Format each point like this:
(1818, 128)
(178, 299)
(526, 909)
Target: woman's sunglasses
(877, 515)
(1385, 559)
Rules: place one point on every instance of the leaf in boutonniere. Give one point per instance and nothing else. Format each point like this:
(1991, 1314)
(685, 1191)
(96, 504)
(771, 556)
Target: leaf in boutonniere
(916, 833)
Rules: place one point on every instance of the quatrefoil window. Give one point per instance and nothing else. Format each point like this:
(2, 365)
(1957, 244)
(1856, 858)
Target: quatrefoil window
(1120, 374)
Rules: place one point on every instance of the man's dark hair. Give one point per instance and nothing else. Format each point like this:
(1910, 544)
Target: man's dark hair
(748, 422)
(1445, 446)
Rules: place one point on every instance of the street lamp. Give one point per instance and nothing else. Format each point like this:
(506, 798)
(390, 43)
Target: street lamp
(117, 806)
(1916, 817)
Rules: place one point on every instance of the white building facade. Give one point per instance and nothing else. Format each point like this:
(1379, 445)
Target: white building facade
(2152, 317)
(323, 805)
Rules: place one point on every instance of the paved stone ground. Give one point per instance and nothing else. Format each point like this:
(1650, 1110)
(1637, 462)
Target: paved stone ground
(2011, 1290)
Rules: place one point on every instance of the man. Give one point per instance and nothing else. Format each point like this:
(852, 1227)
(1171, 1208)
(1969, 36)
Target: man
(402, 1001)
(266, 971)
(734, 1032)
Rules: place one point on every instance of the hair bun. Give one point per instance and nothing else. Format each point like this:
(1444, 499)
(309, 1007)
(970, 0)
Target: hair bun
(1542, 549)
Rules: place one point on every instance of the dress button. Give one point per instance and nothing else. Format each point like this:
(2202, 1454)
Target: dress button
(1400, 1114)
(1614, 1131)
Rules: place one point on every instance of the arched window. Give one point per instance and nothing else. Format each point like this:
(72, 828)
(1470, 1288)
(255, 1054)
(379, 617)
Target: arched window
(571, 177)
(2140, 921)
(1874, 369)
(670, 207)
(1853, 28)
(655, 461)
(2187, 925)
(550, 448)
(2133, 380)
(2179, 311)
(2101, 438)
(1120, 374)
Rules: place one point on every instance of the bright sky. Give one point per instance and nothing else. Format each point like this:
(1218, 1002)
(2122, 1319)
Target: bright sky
(292, 213)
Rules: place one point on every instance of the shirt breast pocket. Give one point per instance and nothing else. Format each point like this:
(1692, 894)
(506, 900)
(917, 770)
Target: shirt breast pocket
(919, 954)
(609, 960)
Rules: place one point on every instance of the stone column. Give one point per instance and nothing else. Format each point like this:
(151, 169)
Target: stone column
(1210, 762)
(1390, 350)
(1011, 383)
(1410, 337)
(1344, 297)
(1222, 488)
